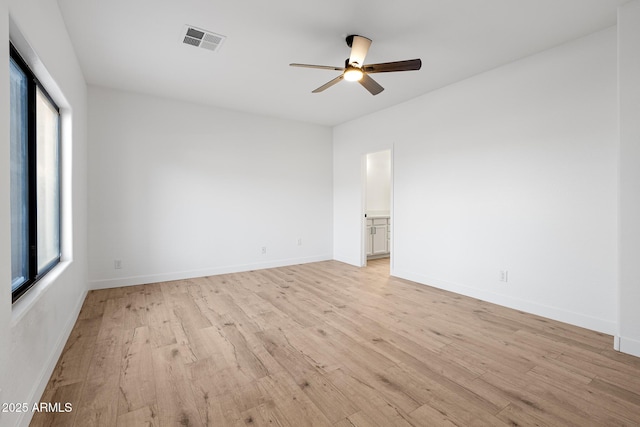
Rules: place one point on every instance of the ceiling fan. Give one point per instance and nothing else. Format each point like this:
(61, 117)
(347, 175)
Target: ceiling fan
(356, 70)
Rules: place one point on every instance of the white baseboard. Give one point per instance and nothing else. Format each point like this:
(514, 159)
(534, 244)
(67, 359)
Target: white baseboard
(45, 374)
(629, 346)
(165, 277)
(555, 313)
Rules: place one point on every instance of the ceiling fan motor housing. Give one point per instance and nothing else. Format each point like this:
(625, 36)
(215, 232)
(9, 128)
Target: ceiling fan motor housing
(349, 40)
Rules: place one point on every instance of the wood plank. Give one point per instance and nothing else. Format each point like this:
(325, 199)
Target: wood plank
(331, 401)
(550, 412)
(333, 404)
(136, 310)
(98, 404)
(160, 327)
(227, 378)
(520, 415)
(295, 362)
(428, 416)
(459, 404)
(375, 408)
(137, 379)
(93, 306)
(266, 414)
(246, 359)
(75, 360)
(175, 400)
(294, 404)
(224, 404)
(146, 416)
(63, 395)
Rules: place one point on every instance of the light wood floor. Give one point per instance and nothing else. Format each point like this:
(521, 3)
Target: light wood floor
(328, 344)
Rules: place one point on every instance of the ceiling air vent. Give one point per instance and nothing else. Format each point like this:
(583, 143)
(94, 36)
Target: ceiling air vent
(202, 38)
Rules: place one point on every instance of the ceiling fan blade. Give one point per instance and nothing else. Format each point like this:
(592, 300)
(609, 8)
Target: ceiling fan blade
(359, 48)
(371, 85)
(320, 67)
(329, 84)
(387, 67)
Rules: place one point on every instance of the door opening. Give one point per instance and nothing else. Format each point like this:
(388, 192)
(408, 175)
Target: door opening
(377, 206)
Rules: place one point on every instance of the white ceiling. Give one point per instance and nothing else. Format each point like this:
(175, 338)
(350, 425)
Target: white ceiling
(136, 45)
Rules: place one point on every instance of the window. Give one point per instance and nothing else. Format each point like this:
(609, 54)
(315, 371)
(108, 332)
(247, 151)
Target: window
(35, 178)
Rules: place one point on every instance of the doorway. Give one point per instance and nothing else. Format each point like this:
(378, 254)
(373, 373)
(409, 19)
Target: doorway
(377, 203)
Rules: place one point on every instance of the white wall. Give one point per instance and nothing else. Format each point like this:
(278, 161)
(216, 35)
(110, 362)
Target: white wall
(34, 330)
(181, 190)
(629, 95)
(378, 199)
(514, 169)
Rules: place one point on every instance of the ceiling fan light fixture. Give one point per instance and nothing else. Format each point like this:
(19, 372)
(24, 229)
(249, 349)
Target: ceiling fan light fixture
(353, 74)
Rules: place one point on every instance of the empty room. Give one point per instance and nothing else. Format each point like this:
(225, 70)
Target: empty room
(420, 213)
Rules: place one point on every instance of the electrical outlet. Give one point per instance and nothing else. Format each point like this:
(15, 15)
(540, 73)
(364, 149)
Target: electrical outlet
(504, 276)
(117, 264)
(264, 250)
